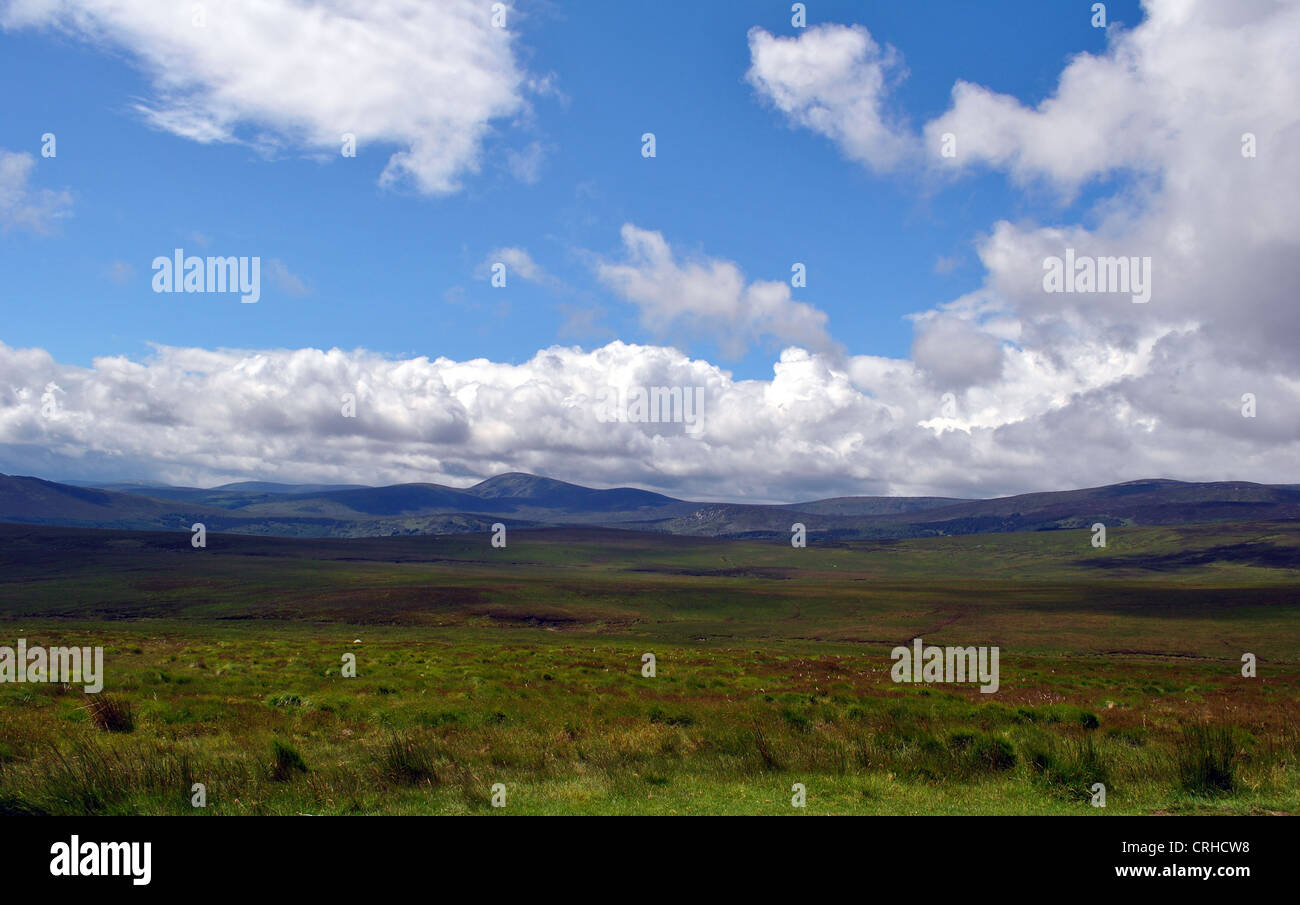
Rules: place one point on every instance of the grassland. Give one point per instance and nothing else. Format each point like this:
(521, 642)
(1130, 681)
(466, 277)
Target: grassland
(523, 666)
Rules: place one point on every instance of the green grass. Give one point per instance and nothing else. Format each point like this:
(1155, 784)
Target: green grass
(523, 666)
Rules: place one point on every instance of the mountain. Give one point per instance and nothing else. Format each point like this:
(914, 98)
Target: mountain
(147, 487)
(525, 500)
(27, 499)
(1146, 502)
(531, 491)
(241, 493)
(873, 505)
(268, 487)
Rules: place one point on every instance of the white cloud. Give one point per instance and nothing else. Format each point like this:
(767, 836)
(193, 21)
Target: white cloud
(956, 353)
(520, 265)
(833, 80)
(815, 427)
(1180, 88)
(426, 77)
(21, 205)
(709, 297)
(1093, 383)
(518, 262)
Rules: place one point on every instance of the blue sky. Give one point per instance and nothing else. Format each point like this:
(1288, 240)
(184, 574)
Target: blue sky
(925, 355)
(401, 274)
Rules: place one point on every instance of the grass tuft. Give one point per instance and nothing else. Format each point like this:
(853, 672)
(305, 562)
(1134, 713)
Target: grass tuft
(1208, 757)
(410, 760)
(285, 761)
(110, 714)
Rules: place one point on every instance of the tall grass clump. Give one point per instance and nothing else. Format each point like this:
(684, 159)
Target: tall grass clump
(409, 760)
(1069, 767)
(110, 714)
(88, 777)
(285, 761)
(1208, 758)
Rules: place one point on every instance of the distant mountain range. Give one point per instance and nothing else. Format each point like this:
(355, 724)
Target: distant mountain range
(524, 500)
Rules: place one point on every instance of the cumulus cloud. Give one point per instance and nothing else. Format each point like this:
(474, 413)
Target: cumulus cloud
(426, 77)
(1159, 123)
(709, 297)
(1180, 88)
(23, 206)
(833, 80)
(956, 353)
(1219, 227)
(815, 427)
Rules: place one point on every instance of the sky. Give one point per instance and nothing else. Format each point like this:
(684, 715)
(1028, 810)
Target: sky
(917, 164)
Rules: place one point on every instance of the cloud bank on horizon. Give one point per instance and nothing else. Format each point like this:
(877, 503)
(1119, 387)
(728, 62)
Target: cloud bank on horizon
(1008, 388)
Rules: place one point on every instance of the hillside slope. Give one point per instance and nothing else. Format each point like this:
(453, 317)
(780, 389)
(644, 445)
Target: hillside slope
(523, 500)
